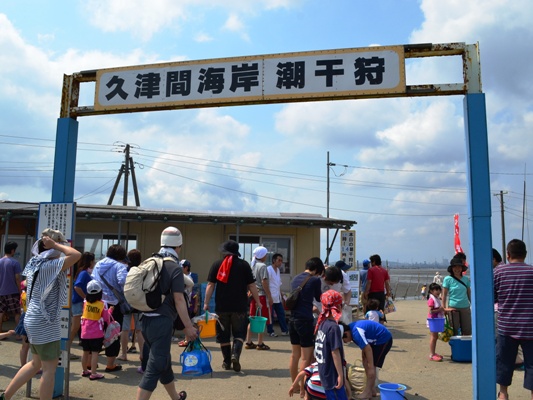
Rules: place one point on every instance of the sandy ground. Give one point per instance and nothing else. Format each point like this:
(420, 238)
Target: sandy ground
(265, 373)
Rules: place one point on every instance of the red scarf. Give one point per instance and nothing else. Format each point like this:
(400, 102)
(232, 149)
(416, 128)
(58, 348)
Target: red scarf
(225, 267)
(331, 307)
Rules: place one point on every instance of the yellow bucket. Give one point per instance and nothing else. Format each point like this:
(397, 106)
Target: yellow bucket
(207, 329)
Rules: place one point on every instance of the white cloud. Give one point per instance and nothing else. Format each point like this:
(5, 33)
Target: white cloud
(143, 20)
(235, 24)
(203, 37)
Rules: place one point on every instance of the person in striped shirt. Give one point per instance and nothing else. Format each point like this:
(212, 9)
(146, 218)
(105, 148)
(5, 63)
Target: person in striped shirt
(46, 275)
(513, 291)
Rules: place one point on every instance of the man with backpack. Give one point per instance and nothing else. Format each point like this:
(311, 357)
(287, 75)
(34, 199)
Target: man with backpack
(157, 325)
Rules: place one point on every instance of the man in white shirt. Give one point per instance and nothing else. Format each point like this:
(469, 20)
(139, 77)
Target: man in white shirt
(274, 279)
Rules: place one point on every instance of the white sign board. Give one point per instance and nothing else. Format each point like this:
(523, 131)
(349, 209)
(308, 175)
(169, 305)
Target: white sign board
(348, 247)
(58, 216)
(354, 283)
(341, 73)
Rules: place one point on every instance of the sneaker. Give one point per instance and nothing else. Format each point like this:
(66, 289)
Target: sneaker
(273, 334)
(284, 333)
(435, 357)
(85, 373)
(94, 377)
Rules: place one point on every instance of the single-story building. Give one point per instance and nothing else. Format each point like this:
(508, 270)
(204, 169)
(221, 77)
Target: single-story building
(96, 227)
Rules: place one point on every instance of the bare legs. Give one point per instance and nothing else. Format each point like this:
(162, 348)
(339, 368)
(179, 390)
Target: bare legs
(28, 371)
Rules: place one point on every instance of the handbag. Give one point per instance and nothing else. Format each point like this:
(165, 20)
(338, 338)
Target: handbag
(112, 332)
(292, 298)
(389, 306)
(123, 304)
(196, 359)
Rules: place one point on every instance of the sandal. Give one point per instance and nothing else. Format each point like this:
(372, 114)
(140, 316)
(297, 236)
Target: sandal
(262, 346)
(85, 373)
(94, 377)
(182, 395)
(114, 368)
(435, 357)
(250, 345)
(183, 343)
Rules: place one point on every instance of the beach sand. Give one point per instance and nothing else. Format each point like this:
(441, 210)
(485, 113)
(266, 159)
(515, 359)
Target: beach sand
(265, 373)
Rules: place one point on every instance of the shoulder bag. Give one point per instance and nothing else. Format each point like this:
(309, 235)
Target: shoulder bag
(292, 298)
(124, 306)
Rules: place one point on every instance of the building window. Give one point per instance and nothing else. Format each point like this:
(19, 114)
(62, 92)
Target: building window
(98, 243)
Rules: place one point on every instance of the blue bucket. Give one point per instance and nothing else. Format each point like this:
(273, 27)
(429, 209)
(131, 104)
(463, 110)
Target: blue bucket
(392, 391)
(436, 324)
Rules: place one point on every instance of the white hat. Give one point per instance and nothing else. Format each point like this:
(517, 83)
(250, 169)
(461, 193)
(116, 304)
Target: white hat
(260, 252)
(171, 237)
(93, 287)
(55, 235)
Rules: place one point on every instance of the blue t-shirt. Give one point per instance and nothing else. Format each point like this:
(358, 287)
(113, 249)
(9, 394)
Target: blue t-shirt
(311, 291)
(81, 281)
(366, 332)
(457, 292)
(328, 338)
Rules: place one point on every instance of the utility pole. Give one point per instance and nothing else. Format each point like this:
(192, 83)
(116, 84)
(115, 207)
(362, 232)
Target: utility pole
(125, 169)
(502, 213)
(328, 164)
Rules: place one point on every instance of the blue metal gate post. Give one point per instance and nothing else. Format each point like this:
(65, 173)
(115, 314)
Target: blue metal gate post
(479, 203)
(63, 192)
(65, 160)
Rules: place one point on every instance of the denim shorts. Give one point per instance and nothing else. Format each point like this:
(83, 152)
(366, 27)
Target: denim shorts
(77, 309)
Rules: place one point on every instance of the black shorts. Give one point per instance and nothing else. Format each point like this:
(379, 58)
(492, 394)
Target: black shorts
(92, 345)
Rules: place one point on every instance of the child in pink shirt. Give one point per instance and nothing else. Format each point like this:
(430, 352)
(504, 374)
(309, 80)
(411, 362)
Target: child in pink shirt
(436, 310)
(95, 313)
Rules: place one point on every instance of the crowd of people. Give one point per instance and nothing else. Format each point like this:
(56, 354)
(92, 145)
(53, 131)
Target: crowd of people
(319, 326)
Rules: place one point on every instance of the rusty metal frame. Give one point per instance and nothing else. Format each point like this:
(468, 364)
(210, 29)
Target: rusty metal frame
(471, 83)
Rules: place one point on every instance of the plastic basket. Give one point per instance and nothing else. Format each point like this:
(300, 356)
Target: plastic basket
(258, 323)
(392, 391)
(207, 329)
(436, 324)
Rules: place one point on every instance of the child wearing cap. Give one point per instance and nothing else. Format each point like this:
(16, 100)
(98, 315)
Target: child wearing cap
(329, 349)
(94, 315)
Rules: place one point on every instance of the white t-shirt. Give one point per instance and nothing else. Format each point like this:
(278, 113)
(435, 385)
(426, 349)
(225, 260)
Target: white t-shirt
(274, 280)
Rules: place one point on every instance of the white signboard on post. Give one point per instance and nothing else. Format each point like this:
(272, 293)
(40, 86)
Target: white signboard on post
(354, 284)
(341, 73)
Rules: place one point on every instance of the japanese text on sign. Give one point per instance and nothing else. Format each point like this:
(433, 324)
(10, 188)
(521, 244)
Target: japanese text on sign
(58, 216)
(309, 74)
(348, 247)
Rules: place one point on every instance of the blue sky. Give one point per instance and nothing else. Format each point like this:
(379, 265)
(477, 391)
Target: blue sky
(405, 158)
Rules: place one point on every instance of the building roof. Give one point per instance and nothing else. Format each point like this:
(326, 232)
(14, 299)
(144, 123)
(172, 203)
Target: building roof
(14, 209)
